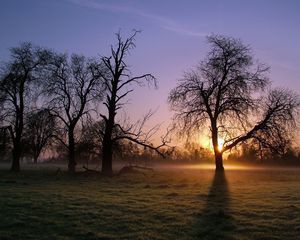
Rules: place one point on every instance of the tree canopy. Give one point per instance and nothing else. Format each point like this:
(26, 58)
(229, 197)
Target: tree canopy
(229, 93)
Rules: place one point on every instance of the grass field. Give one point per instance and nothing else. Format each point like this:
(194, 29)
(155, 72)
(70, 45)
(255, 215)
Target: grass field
(163, 204)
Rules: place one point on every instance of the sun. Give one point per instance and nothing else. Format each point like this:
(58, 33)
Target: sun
(205, 141)
(220, 144)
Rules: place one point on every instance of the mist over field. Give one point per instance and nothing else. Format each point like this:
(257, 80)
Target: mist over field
(181, 203)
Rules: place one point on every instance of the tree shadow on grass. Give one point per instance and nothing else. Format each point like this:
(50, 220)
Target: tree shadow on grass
(215, 221)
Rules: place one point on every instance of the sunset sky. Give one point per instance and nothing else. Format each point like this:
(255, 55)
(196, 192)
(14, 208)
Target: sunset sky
(172, 39)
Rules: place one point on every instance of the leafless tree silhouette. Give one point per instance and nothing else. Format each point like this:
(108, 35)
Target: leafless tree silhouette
(39, 129)
(74, 84)
(18, 77)
(120, 83)
(5, 142)
(227, 92)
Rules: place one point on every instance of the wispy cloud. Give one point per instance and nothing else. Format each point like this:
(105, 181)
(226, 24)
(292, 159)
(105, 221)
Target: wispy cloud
(185, 31)
(163, 22)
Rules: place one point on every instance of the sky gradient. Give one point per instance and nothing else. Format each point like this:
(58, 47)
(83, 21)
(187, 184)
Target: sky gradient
(172, 39)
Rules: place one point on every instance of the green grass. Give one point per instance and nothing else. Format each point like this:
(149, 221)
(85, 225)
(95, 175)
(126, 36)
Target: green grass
(165, 204)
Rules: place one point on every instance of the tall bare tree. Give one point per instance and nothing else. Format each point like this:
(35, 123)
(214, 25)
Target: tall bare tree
(17, 81)
(74, 84)
(226, 93)
(39, 130)
(119, 84)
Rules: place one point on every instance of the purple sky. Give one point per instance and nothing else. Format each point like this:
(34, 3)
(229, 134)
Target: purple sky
(172, 39)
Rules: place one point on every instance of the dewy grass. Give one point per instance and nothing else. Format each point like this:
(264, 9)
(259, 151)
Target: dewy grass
(164, 204)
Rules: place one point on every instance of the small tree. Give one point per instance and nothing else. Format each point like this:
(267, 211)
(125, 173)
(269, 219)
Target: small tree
(17, 87)
(39, 130)
(226, 94)
(119, 84)
(5, 143)
(90, 142)
(74, 84)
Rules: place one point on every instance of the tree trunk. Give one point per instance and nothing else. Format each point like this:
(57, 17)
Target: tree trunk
(17, 145)
(36, 154)
(35, 158)
(15, 167)
(71, 149)
(107, 156)
(107, 144)
(219, 162)
(217, 151)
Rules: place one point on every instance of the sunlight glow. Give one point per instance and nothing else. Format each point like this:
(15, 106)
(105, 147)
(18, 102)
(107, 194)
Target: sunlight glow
(213, 167)
(220, 144)
(205, 142)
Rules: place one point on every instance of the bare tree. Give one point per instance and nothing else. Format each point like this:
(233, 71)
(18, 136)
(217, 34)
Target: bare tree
(226, 92)
(18, 77)
(39, 130)
(5, 142)
(89, 146)
(119, 84)
(73, 86)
